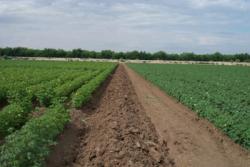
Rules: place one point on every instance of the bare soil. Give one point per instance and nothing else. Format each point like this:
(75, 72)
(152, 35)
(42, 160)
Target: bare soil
(130, 122)
(113, 131)
(37, 112)
(192, 141)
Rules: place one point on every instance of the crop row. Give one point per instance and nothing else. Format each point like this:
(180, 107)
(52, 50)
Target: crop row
(30, 145)
(14, 116)
(67, 88)
(45, 92)
(15, 83)
(83, 94)
(29, 139)
(18, 75)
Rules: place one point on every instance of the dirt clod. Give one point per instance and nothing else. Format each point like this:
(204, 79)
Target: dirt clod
(115, 136)
(115, 131)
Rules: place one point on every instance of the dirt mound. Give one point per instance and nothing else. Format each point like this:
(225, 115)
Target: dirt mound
(115, 132)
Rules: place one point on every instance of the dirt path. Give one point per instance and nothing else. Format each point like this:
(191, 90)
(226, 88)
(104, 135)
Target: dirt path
(112, 131)
(192, 142)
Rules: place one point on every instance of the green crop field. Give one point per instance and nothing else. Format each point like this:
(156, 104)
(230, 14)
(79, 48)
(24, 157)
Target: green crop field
(26, 86)
(219, 93)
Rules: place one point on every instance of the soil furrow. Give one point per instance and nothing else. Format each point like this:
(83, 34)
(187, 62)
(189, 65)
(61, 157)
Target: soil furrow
(3, 103)
(114, 131)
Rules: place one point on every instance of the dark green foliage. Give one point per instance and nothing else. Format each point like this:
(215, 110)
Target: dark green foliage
(65, 89)
(30, 145)
(218, 93)
(13, 117)
(40, 82)
(108, 54)
(84, 93)
(3, 93)
(49, 83)
(44, 92)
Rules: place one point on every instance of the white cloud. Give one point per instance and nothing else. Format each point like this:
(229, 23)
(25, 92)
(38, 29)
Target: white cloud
(125, 25)
(234, 4)
(210, 40)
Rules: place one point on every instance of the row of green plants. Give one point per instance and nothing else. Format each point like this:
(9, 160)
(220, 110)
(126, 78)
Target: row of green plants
(217, 93)
(67, 88)
(28, 139)
(14, 80)
(18, 75)
(13, 117)
(84, 93)
(30, 145)
(17, 113)
(44, 93)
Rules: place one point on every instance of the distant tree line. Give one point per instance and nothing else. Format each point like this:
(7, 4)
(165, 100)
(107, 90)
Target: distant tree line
(108, 54)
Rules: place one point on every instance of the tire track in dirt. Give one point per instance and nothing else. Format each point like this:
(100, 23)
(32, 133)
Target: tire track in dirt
(114, 131)
(192, 142)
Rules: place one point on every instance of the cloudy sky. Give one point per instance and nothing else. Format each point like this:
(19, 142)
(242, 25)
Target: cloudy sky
(200, 26)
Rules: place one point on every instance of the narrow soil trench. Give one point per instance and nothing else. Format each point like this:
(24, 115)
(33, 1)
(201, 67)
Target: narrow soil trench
(113, 130)
(1, 140)
(3, 103)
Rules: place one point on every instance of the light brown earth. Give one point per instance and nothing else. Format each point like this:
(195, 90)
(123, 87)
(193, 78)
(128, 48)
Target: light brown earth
(130, 122)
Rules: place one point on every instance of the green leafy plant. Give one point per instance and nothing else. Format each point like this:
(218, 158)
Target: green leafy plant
(30, 145)
(84, 93)
(13, 117)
